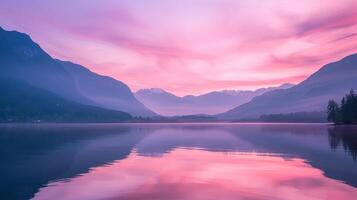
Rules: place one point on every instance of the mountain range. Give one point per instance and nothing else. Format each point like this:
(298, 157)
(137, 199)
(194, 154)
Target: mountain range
(332, 81)
(25, 62)
(168, 104)
(36, 87)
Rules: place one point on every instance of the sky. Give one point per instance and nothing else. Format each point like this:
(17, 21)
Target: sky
(191, 46)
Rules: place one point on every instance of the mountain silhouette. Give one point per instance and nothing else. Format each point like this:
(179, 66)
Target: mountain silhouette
(332, 81)
(24, 60)
(166, 103)
(21, 102)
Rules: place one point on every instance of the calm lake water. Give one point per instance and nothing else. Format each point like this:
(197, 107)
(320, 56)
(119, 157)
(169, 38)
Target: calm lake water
(178, 161)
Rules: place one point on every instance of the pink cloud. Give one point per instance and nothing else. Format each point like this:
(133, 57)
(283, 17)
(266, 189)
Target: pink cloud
(191, 46)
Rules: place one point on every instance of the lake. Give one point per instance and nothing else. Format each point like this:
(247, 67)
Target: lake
(177, 161)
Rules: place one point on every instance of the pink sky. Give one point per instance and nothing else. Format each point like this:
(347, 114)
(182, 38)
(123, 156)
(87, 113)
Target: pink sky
(191, 46)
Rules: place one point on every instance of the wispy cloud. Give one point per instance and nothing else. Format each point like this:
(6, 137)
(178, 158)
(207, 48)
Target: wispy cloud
(191, 45)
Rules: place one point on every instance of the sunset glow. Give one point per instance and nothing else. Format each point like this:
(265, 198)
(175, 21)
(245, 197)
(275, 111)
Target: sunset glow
(191, 46)
(198, 174)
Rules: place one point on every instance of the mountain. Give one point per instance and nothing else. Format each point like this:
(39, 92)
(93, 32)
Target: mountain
(332, 81)
(21, 102)
(24, 60)
(105, 91)
(215, 102)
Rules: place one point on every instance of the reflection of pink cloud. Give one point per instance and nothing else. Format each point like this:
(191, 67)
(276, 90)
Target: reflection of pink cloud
(201, 43)
(198, 174)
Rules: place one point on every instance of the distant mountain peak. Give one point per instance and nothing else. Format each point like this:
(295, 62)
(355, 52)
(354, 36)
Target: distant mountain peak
(213, 102)
(331, 81)
(230, 92)
(286, 85)
(152, 90)
(237, 92)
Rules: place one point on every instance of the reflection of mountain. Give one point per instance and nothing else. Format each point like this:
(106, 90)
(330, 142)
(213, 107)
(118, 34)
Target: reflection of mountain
(309, 142)
(47, 153)
(345, 136)
(196, 174)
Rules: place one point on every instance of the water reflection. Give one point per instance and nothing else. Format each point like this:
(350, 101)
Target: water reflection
(346, 137)
(34, 155)
(198, 174)
(177, 161)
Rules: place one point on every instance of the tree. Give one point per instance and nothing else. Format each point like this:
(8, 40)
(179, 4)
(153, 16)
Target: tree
(333, 112)
(346, 113)
(353, 106)
(344, 110)
(348, 108)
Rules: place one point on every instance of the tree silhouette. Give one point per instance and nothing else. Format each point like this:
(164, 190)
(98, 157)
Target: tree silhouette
(333, 112)
(346, 113)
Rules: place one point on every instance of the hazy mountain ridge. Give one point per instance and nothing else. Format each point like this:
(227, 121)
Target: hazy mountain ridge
(24, 60)
(105, 91)
(214, 102)
(21, 102)
(332, 81)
